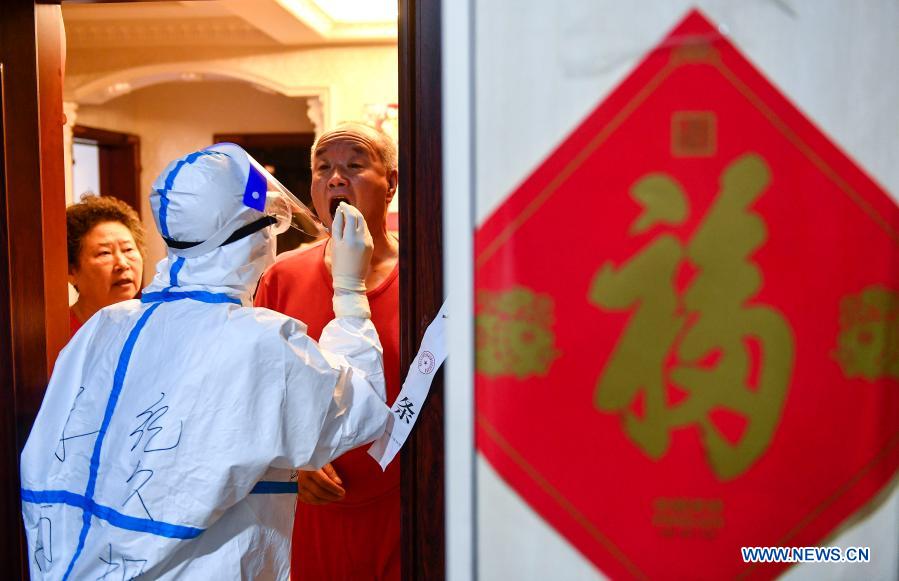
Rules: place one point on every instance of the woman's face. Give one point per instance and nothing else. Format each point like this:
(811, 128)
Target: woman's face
(109, 266)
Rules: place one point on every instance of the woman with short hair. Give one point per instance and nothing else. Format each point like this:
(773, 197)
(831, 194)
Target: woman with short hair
(106, 254)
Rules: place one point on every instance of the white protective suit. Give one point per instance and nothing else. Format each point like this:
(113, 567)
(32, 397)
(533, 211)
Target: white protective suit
(170, 431)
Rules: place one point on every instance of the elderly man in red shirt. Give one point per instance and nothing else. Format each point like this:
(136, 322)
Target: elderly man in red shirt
(348, 513)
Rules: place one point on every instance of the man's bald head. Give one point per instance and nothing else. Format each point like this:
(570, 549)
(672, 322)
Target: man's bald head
(379, 142)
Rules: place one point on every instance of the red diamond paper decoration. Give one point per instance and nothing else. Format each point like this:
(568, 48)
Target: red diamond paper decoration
(688, 324)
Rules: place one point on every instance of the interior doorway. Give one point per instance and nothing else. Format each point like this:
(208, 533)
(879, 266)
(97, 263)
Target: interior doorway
(118, 163)
(285, 156)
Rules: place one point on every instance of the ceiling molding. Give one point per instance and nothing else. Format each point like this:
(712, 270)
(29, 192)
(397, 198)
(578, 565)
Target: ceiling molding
(221, 31)
(125, 81)
(130, 10)
(223, 22)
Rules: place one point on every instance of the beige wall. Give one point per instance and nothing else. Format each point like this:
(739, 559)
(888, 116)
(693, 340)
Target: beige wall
(349, 77)
(173, 119)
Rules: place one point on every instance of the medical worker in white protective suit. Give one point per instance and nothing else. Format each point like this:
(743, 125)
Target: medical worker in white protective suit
(168, 438)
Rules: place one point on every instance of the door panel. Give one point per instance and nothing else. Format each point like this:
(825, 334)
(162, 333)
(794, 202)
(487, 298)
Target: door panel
(421, 278)
(33, 304)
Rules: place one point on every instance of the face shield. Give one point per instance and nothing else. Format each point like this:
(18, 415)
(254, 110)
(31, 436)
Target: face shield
(263, 192)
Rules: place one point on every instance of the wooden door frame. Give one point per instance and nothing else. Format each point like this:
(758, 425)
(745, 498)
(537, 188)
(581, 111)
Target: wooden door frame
(33, 263)
(33, 298)
(119, 159)
(10, 551)
(421, 279)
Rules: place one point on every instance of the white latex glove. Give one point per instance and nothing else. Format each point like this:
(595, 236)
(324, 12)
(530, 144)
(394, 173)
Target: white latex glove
(351, 248)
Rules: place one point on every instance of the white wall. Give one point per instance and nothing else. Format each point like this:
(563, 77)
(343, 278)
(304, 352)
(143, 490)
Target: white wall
(830, 58)
(174, 119)
(540, 67)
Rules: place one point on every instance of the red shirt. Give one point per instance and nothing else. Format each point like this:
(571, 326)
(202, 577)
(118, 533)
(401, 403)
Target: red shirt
(75, 324)
(357, 537)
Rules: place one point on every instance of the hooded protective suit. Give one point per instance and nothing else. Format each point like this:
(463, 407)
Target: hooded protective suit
(168, 436)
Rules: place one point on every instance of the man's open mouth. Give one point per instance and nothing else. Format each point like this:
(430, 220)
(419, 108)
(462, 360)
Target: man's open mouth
(335, 201)
(123, 282)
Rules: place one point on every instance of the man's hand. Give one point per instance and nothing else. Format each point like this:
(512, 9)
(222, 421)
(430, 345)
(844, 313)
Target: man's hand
(320, 486)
